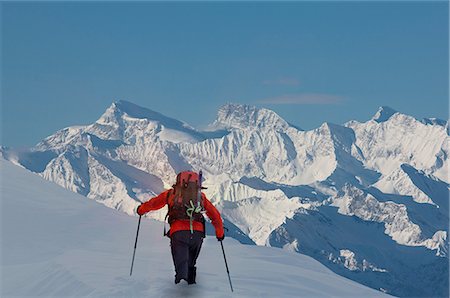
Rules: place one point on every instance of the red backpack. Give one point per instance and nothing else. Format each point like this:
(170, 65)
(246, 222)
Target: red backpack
(185, 199)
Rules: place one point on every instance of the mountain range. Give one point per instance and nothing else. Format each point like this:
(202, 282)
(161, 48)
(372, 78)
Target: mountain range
(367, 199)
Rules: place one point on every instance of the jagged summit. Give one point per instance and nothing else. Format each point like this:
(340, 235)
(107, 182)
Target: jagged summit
(244, 116)
(122, 114)
(383, 114)
(121, 107)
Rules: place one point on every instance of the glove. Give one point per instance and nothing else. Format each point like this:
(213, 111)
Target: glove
(220, 238)
(138, 210)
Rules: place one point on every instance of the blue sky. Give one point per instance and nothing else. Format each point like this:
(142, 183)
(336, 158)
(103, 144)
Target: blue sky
(64, 63)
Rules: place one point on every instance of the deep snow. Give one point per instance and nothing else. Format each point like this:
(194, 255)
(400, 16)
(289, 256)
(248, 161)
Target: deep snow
(58, 243)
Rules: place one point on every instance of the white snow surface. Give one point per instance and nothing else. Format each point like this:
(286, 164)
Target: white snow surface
(348, 258)
(400, 139)
(398, 182)
(55, 243)
(394, 217)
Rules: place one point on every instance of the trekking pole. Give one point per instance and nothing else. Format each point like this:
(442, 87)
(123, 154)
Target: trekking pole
(226, 265)
(135, 244)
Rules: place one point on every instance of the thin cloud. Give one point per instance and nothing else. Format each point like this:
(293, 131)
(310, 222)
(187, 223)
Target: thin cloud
(285, 81)
(304, 99)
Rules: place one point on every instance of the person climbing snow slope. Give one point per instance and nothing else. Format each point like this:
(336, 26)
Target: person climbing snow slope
(186, 203)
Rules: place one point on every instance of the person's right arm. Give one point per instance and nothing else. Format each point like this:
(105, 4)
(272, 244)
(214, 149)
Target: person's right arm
(153, 204)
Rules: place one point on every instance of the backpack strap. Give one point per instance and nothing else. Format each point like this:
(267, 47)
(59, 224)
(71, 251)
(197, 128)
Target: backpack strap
(167, 233)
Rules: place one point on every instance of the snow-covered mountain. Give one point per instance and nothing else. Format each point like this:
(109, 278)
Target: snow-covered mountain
(57, 244)
(369, 200)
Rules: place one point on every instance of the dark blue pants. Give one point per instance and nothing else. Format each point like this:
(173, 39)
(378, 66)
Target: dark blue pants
(185, 247)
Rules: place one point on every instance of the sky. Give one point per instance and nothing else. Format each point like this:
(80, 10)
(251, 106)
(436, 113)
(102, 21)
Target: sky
(64, 63)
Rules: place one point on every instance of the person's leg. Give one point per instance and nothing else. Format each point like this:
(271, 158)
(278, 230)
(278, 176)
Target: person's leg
(179, 244)
(195, 246)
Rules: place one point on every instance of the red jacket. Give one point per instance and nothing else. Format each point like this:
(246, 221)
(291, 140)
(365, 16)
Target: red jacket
(183, 225)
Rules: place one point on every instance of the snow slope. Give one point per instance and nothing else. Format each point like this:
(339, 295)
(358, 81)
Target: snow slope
(57, 243)
(384, 180)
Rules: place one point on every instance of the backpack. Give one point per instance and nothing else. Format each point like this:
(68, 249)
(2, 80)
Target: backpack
(185, 200)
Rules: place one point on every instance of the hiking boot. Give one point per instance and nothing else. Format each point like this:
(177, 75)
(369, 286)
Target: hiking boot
(177, 280)
(192, 272)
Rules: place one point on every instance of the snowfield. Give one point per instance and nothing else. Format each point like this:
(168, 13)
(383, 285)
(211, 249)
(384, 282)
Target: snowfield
(56, 243)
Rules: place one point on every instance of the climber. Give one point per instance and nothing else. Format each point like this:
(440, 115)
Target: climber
(186, 205)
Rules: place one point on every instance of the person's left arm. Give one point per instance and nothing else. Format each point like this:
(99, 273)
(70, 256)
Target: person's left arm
(215, 217)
